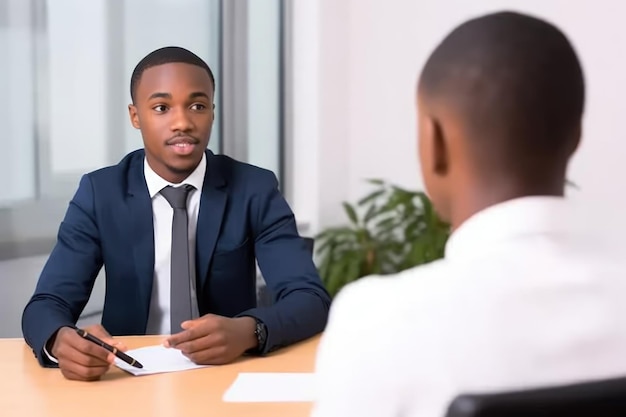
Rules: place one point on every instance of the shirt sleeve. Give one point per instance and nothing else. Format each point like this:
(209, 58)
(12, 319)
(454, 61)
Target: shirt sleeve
(354, 376)
(49, 356)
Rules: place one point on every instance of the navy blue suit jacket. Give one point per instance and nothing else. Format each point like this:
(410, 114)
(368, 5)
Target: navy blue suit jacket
(242, 216)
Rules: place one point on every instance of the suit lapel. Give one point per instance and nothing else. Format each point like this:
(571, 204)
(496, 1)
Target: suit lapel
(141, 224)
(211, 213)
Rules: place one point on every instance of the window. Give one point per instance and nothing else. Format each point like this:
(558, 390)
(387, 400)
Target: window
(66, 81)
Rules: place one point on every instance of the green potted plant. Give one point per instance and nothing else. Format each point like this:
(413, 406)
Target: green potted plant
(390, 230)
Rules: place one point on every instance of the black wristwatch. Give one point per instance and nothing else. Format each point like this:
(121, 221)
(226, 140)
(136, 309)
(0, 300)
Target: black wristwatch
(261, 335)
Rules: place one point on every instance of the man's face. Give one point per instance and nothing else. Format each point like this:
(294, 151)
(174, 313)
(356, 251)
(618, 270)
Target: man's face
(174, 110)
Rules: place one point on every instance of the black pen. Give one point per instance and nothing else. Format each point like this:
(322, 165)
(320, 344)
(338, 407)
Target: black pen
(108, 347)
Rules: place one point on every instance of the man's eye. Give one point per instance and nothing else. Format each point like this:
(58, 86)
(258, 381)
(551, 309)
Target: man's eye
(198, 106)
(160, 108)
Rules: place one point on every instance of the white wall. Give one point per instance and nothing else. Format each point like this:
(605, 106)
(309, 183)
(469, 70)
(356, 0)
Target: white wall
(320, 106)
(357, 63)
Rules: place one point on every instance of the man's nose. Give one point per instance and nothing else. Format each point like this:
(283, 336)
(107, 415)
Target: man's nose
(181, 120)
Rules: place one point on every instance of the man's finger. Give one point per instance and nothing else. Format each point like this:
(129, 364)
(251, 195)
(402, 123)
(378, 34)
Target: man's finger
(73, 376)
(90, 348)
(73, 367)
(197, 345)
(180, 337)
(98, 331)
(185, 325)
(88, 358)
(199, 328)
(70, 375)
(213, 356)
(68, 342)
(116, 344)
(203, 343)
(76, 372)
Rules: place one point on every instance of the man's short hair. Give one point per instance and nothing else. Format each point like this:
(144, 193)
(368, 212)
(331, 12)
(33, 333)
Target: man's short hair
(514, 83)
(167, 55)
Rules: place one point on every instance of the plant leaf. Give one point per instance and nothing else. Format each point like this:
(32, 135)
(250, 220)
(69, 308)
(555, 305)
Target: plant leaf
(399, 229)
(351, 213)
(371, 197)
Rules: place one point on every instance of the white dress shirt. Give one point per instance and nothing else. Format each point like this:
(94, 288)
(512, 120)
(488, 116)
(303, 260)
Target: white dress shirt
(525, 297)
(162, 214)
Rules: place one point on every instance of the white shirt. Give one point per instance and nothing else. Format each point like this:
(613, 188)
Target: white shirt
(162, 214)
(525, 297)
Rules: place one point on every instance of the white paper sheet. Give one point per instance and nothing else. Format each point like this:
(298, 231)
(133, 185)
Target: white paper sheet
(157, 359)
(271, 387)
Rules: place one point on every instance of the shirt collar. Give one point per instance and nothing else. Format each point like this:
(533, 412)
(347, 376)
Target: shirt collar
(156, 183)
(508, 220)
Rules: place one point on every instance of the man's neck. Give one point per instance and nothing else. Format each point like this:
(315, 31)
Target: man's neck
(476, 199)
(173, 177)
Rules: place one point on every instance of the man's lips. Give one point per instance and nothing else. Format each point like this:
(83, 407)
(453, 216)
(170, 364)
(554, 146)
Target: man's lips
(182, 140)
(183, 145)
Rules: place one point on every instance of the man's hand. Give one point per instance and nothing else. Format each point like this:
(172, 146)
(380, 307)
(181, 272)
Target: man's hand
(214, 340)
(80, 359)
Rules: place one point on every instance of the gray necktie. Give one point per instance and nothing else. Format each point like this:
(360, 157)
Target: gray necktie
(180, 280)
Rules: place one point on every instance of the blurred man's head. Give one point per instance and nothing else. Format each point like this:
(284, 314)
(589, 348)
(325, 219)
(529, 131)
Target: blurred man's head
(500, 105)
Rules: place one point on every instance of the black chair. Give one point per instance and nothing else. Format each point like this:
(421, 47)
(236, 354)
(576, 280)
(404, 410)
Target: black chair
(264, 298)
(606, 398)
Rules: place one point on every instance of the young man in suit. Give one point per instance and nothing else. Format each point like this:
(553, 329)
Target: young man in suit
(178, 230)
(526, 295)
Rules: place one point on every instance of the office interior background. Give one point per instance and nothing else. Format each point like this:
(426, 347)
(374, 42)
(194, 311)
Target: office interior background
(322, 92)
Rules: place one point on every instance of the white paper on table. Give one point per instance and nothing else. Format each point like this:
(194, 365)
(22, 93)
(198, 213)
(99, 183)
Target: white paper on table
(157, 359)
(271, 387)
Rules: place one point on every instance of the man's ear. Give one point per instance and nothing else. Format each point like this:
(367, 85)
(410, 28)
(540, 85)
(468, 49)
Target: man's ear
(134, 118)
(439, 151)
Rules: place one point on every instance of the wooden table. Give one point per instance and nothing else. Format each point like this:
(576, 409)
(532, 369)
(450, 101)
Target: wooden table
(27, 390)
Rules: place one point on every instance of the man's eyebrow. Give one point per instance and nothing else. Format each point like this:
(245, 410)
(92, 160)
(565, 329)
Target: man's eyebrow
(160, 95)
(197, 94)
